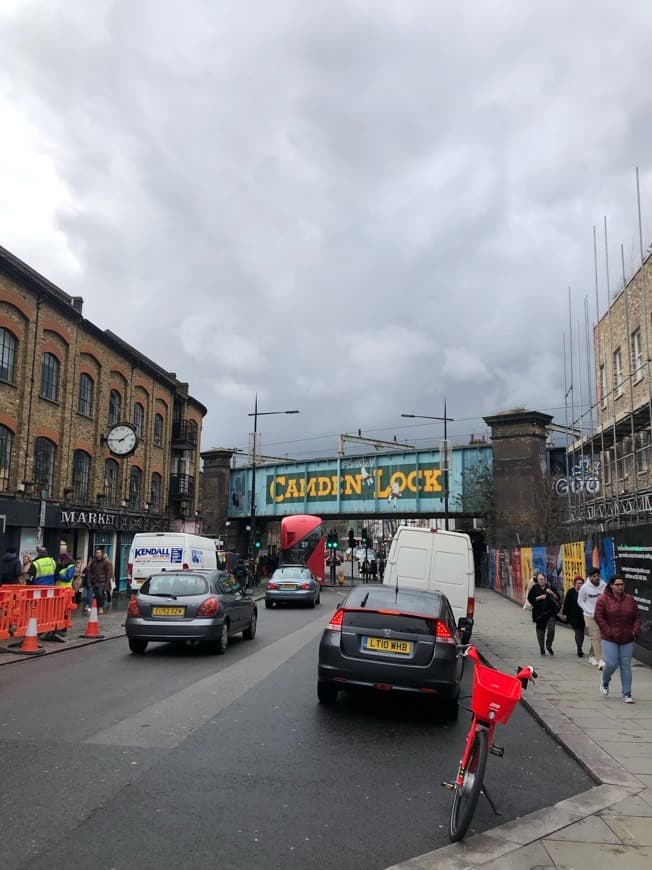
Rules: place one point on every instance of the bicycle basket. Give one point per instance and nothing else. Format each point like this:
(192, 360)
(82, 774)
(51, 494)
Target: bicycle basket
(495, 695)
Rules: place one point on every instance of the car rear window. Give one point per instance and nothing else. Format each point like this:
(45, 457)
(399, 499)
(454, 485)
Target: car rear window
(387, 598)
(291, 572)
(402, 622)
(175, 584)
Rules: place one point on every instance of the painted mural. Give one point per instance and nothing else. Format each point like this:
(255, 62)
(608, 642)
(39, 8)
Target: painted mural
(406, 482)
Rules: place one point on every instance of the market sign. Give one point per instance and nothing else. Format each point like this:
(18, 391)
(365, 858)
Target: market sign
(74, 519)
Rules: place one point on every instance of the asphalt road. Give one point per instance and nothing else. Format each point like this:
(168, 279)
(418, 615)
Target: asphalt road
(180, 759)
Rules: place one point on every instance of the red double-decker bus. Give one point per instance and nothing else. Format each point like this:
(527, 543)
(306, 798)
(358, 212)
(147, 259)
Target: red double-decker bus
(302, 543)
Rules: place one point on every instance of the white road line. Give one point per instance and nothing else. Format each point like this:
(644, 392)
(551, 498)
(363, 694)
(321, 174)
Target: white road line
(168, 723)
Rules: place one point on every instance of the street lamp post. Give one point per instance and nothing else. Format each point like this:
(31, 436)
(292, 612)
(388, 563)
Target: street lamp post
(252, 512)
(445, 420)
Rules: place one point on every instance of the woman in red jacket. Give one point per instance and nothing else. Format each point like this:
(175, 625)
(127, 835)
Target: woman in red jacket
(619, 620)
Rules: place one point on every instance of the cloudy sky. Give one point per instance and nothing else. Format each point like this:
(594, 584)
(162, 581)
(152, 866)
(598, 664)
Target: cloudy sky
(351, 207)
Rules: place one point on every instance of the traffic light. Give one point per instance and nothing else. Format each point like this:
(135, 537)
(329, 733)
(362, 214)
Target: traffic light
(336, 541)
(351, 538)
(365, 537)
(329, 541)
(257, 544)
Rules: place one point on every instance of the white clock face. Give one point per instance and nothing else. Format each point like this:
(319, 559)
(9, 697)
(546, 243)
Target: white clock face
(121, 440)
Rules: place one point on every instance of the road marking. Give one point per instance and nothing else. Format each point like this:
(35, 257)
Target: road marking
(168, 723)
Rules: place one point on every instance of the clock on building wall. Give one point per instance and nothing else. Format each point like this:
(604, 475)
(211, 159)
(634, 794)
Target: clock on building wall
(122, 439)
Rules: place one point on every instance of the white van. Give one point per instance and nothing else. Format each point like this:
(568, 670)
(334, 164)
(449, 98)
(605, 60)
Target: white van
(152, 552)
(435, 560)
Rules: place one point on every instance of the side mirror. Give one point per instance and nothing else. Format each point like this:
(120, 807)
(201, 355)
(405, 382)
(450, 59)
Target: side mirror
(465, 627)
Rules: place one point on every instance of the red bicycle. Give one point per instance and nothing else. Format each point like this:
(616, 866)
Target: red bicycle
(494, 698)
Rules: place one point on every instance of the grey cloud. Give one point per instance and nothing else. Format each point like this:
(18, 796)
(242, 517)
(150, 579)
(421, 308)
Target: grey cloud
(354, 208)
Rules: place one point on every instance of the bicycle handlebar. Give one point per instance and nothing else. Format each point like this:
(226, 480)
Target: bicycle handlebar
(524, 674)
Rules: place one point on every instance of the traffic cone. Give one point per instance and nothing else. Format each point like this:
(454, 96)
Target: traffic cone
(29, 646)
(92, 626)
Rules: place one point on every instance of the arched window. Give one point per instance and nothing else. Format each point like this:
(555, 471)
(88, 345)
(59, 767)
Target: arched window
(155, 496)
(45, 454)
(50, 377)
(135, 480)
(81, 472)
(8, 345)
(6, 442)
(158, 430)
(139, 419)
(111, 477)
(115, 407)
(85, 398)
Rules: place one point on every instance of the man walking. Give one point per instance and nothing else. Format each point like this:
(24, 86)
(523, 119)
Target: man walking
(100, 572)
(11, 567)
(587, 598)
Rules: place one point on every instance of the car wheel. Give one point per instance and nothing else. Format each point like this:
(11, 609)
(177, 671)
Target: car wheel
(137, 646)
(250, 632)
(223, 640)
(318, 598)
(327, 694)
(269, 605)
(312, 602)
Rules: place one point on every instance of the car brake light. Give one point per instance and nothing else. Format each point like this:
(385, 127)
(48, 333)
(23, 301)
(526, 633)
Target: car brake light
(130, 571)
(305, 586)
(470, 607)
(336, 621)
(443, 633)
(133, 608)
(271, 585)
(209, 607)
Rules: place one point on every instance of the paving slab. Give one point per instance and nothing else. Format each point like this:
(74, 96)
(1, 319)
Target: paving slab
(632, 830)
(597, 856)
(591, 829)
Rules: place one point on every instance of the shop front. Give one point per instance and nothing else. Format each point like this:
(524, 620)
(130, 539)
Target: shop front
(85, 530)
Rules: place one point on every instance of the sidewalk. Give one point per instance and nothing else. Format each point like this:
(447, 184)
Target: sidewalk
(610, 825)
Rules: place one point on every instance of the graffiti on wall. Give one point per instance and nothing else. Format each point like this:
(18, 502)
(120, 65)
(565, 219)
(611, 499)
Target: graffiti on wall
(583, 477)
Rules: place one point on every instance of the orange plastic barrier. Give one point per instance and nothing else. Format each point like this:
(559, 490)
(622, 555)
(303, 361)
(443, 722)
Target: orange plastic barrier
(51, 605)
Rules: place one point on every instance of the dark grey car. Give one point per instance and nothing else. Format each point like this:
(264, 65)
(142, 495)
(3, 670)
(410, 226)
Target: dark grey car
(292, 584)
(190, 606)
(389, 639)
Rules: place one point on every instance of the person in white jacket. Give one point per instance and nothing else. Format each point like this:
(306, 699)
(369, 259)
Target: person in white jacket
(587, 599)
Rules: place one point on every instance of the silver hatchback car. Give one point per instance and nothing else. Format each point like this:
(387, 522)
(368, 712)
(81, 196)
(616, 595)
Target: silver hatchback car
(292, 584)
(190, 606)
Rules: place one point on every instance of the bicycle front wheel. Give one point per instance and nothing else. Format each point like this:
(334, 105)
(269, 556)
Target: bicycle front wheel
(466, 795)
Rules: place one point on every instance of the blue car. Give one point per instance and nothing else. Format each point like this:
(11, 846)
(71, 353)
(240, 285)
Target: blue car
(292, 584)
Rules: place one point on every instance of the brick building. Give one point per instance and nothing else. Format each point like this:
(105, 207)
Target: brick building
(63, 383)
(618, 451)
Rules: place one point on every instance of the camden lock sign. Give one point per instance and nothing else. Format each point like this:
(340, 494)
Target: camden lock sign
(377, 484)
(72, 519)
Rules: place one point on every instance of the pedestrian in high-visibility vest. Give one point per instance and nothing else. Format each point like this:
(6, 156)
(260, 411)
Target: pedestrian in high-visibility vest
(43, 568)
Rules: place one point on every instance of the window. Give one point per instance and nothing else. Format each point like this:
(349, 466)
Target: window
(6, 442)
(637, 356)
(643, 463)
(158, 430)
(115, 407)
(139, 419)
(81, 467)
(85, 399)
(603, 385)
(111, 478)
(135, 479)
(155, 496)
(50, 377)
(7, 355)
(606, 462)
(618, 372)
(45, 453)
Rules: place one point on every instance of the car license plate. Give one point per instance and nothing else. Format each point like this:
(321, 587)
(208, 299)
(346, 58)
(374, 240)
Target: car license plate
(288, 586)
(383, 644)
(168, 611)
